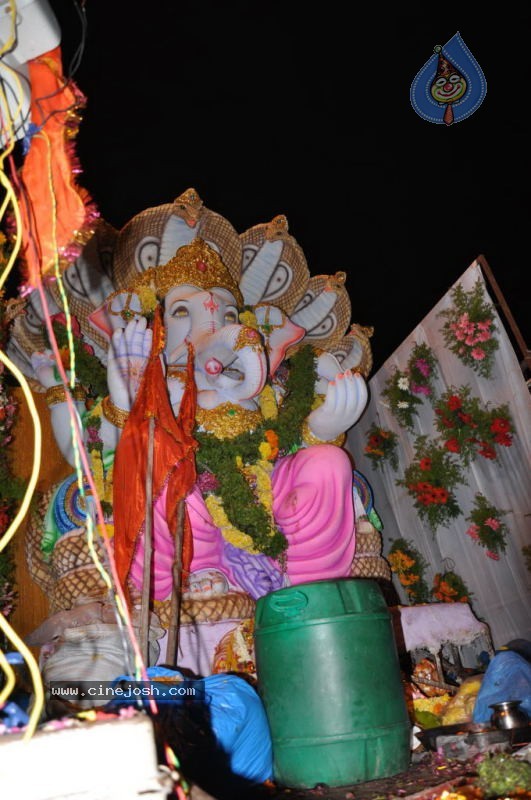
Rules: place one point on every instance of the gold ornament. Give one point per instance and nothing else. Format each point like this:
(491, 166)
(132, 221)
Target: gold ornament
(57, 394)
(116, 416)
(309, 438)
(249, 337)
(227, 420)
(196, 264)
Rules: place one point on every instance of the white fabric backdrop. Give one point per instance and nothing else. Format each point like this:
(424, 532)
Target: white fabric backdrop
(501, 589)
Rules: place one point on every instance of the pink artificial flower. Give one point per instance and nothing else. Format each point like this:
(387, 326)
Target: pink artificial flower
(473, 532)
(492, 523)
(483, 336)
(470, 340)
(494, 556)
(459, 335)
(477, 353)
(485, 325)
(463, 319)
(417, 389)
(423, 367)
(470, 328)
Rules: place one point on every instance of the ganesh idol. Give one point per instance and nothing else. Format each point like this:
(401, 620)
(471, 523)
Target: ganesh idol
(250, 398)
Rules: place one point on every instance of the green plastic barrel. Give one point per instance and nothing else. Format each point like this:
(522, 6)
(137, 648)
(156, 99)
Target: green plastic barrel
(328, 674)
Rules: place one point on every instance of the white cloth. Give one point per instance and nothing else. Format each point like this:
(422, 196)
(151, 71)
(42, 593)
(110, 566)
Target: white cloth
(501, 589)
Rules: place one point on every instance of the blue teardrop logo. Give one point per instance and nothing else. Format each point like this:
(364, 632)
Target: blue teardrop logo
(450, 86)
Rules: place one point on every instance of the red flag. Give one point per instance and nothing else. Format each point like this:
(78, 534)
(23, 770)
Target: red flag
(173, 457)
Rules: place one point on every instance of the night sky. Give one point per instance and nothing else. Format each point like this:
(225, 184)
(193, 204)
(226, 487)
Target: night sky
(269, 108)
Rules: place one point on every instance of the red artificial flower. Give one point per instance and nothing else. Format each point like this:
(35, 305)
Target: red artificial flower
(467, 419)
(504, 439)
(452, 445)
(374, 440)
(441, 494)
(500, 425)
(425, 464)
(454, 402)
(487, 451)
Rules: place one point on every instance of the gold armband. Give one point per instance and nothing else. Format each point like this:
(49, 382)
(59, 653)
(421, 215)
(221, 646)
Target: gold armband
(57, 394)
(116, 416)
(309, 438)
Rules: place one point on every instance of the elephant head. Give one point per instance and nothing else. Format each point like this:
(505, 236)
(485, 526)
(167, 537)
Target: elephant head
(200, 300)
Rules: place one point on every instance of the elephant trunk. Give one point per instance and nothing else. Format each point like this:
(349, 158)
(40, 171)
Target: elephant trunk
(233, 362)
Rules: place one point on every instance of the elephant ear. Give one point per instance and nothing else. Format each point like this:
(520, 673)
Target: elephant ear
(324, 311)
(274, 268)
(88, 281)
(354, 350)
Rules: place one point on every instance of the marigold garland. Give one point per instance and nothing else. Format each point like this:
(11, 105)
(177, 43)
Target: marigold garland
(469, 330)
(409, 566)
(242, 497)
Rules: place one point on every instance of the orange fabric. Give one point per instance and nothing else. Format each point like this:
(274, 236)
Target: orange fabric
(48, 171)
(173, 458)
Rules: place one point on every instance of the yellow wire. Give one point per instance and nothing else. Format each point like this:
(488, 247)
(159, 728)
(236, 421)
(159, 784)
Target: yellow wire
(37, 445)
(14, 253)
(10, 678)
(38, 688)
(4, 625)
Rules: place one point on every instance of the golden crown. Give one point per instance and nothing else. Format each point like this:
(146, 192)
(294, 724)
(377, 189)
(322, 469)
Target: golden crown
(196, 264)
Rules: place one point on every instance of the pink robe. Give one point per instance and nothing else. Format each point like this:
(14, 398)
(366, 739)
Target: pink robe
(312, 505)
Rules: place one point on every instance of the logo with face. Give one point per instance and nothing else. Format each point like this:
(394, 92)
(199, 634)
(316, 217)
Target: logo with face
(450, 86)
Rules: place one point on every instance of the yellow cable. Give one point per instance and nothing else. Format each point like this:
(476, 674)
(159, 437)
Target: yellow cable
(38, 688)
(10, 679)
(37, 445)
(18, 222)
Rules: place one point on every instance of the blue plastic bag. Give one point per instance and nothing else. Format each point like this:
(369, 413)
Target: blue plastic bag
(237, 718)
(508, 677)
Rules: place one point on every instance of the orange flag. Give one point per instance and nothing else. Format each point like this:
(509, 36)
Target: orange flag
(56, 213)
(173, 458)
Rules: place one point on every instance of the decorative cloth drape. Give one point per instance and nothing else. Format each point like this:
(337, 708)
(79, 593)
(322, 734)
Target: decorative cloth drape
(501, 589)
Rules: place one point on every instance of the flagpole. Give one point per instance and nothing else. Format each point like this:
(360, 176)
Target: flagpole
(148, 545)
(175, 605)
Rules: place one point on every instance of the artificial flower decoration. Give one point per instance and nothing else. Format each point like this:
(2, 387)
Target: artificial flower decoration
(469, 330)
(487, 528)
(409, 565)
(449, 587)
(468, 428)
(421, 368)
(430, 480)
(402, 402)
(381, 447)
